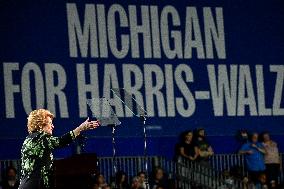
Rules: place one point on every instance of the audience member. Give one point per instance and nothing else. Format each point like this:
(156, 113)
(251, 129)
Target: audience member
(106, 186)
(142, 177)
(120, 181)
(99, 182)
(261, 182)
(228, 180)
(136, 184)
(158, 178)
(247, 184)
(204, 149)
(187, 148)
(271, 159)
(159, 187)
(254, 155)
(243, 136)
(273, 185)
(10, 180)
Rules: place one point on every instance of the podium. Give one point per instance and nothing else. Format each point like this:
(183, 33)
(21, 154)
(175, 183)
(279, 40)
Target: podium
(75, 171)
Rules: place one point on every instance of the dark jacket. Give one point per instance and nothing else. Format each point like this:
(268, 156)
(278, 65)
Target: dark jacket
(37, 159)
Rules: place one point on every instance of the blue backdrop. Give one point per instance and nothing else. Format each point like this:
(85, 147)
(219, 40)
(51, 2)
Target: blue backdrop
(211, 64)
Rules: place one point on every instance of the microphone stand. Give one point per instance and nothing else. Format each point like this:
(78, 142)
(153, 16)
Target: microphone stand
(104, 113)
(113, 149)
(143, 119)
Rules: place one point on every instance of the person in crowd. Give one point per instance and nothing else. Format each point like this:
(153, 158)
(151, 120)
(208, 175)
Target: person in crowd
(136, 184)
(204, 149)
(187, 148)
(254, 156)
(159, 187)
(142, 176)
(106, 186)
(158, 178)
(247, 183)
(10, 180)
(36, 152)
(120, 181)
(99, 182)
(261, 182)
(228, 180)
(242, 137)
(273, 185)
(271, 159)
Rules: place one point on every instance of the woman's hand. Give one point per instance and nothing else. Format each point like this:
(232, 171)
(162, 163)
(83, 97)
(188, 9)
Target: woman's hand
(86, 125)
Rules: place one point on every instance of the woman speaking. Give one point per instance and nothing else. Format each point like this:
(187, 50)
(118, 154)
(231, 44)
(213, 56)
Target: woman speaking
(37, 158)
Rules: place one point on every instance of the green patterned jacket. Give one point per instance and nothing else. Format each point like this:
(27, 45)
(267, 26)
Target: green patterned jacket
(37, 158)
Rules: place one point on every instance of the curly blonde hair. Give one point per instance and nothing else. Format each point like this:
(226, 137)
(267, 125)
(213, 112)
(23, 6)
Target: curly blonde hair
(38, 119)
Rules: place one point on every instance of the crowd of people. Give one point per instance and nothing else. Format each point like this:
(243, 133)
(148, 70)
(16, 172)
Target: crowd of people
(157, 180)
(262, 157)
(261, 154)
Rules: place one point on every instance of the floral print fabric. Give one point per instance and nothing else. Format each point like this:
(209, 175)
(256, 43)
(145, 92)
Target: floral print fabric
(37, 158)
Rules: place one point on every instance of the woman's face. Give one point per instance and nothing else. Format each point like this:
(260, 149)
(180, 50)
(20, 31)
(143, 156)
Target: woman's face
(201, 132)
(266, 137)
(48, 128)
(135, 183)
(188, 136)
(142, 177)
(254, 138)
(159, 174)
(11, 174)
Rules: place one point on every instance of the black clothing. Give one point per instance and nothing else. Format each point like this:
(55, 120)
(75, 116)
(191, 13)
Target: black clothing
(37, 159)
(5, 185)
(272, 172)
(154, 184)
(188, 149)
(254, 175)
